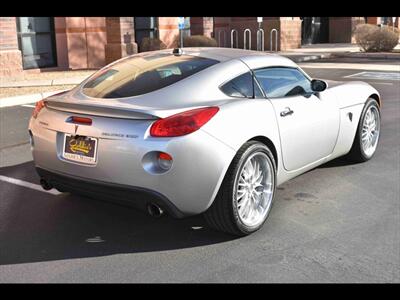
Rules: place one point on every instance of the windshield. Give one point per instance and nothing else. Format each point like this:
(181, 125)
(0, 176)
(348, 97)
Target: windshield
(143, 74)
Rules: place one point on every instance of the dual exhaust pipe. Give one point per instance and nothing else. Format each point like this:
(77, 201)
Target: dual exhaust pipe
(45, 184)
(153, 209)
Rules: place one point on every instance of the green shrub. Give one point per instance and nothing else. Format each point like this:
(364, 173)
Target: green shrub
(151, 44)
(372, 38)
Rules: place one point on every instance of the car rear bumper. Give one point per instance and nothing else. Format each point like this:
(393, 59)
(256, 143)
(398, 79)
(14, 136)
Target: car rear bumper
(137, 197)
(199, 160)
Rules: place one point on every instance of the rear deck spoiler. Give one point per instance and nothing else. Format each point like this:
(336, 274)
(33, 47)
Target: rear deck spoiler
(104, 111)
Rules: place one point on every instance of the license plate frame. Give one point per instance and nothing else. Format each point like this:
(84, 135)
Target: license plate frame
(81, 149)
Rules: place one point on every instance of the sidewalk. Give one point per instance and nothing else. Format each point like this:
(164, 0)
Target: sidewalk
(319, 51)
(26, 99)
(43, 82)
(32, 87)
(46, 78)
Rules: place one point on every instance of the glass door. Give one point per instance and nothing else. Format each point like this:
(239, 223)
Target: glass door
(145, 27)
(36, 40)
(314, 30)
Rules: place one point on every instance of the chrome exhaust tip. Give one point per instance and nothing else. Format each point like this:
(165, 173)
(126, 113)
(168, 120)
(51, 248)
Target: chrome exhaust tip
(154, 210)
(45, 184)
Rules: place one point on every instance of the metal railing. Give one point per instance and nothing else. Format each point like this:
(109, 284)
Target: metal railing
(219, 38)
(260, 39)
(245, 39)
(276, 39)
(237, 38)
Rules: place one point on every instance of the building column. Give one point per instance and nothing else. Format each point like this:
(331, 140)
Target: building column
(289, 33)
(10, 55)
(168, 31)
(120, 38)
(60, 28)
(202, 26)
(80, 42)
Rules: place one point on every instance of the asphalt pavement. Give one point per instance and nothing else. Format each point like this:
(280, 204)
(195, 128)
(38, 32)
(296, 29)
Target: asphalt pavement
(336, 223)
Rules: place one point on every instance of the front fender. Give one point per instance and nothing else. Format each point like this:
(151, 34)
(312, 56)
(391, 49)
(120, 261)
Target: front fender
(354, 93)
(352, 97)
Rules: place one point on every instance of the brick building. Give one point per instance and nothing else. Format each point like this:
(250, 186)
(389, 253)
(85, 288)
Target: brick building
(62, 43)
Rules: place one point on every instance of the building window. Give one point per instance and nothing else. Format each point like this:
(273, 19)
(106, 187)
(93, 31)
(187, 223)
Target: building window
(36, 40)
(145, 27)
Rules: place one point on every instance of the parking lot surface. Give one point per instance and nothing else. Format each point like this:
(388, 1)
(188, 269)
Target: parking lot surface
(336, 223)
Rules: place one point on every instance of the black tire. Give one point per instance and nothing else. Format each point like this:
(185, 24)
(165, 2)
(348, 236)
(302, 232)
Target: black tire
(357, 153)
(222, 215)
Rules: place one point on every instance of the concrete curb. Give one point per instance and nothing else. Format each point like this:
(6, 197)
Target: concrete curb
(309, 57)
(25, 99)
(394, 56)
(45, 82)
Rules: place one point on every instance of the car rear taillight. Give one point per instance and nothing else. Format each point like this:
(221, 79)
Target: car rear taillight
(182, 123)
(38, 107)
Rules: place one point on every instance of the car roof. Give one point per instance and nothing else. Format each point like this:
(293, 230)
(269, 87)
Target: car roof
(254, 59)
(221, 54)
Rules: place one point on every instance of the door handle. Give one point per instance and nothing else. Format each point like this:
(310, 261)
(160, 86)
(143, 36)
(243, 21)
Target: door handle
(286, 112)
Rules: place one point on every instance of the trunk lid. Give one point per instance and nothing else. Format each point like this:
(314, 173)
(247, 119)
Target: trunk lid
(75, 102)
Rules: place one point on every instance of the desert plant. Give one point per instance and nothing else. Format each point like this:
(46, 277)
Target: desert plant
(151, 44)
(372, 38)
(197, 41)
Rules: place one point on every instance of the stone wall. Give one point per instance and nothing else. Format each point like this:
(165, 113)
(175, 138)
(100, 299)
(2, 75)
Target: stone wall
(10, 56)
(120, 38)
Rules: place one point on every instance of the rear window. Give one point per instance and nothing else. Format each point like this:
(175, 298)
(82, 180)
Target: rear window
(143, 74)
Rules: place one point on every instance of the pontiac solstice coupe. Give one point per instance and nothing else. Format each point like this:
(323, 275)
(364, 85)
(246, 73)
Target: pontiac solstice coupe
(202, 130)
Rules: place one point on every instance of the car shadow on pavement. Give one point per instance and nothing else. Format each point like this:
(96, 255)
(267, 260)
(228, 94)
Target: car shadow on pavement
(337, 162)
(36, 226)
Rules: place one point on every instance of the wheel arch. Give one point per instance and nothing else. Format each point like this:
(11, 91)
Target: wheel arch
(377, 98)
(267, 142)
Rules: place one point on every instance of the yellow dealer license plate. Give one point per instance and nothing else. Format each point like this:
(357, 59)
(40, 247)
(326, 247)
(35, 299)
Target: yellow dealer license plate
(80, 148)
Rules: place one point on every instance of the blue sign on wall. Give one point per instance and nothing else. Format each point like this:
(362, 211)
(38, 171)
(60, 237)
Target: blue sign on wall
(181, 22)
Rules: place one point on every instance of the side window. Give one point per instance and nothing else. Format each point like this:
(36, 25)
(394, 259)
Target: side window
(283, 82)
(239, 87)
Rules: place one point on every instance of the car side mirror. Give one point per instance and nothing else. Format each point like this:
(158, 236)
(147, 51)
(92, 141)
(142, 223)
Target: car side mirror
(318, 85)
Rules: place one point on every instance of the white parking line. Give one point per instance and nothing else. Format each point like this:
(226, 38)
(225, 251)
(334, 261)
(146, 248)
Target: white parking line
(386, 83)
(28, 105)
(355, 66)
(375, 75)
(28, 185)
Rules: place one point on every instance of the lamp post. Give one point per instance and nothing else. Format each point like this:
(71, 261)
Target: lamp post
(181, 26)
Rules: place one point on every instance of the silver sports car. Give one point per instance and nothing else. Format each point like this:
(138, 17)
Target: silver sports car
(200, 130)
